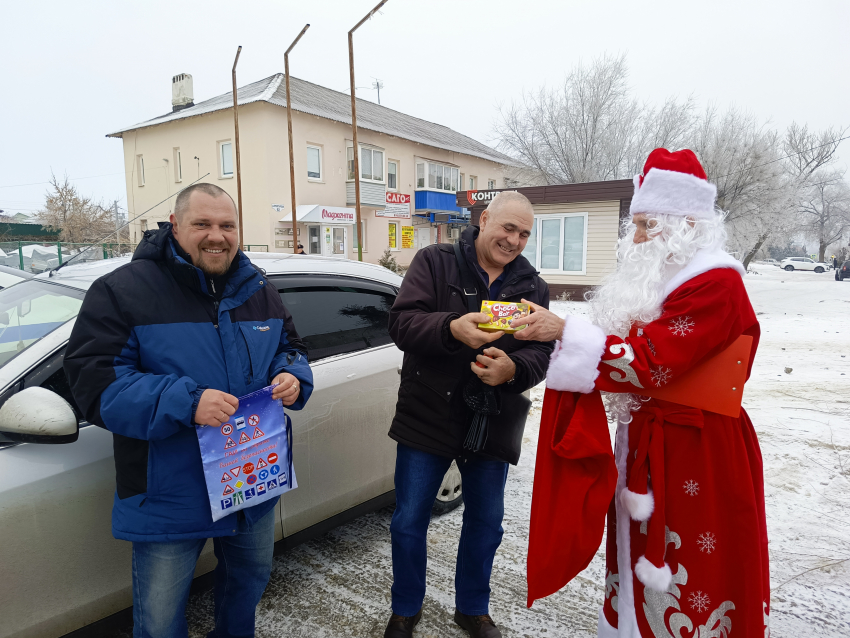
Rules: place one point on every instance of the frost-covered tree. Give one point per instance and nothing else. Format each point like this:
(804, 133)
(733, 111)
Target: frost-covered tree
(825, 209)
(589, 128)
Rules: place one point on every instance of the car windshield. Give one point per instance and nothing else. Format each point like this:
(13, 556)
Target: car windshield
(31, 310)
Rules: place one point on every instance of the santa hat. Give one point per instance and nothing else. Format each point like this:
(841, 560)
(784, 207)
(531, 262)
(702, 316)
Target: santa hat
(673, 184)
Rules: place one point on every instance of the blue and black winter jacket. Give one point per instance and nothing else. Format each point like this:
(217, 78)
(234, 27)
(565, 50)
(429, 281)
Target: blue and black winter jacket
(151, 336)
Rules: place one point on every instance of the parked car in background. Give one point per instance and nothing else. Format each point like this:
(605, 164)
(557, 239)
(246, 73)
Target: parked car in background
(803, 263)
(770, 262)
(9, 276)
(61, 568)
(843, 271)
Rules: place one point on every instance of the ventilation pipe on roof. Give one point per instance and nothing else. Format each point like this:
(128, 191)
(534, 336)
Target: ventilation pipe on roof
(182, 92)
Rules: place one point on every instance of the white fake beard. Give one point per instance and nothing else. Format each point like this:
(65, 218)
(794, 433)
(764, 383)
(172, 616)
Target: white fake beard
(635, 292)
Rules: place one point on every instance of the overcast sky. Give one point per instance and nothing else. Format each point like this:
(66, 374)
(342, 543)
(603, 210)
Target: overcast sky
(74, 71)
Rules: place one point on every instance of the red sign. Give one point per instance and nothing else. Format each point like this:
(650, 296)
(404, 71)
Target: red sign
(258, 433)
(397, 198)
(248, 468)
(478, 197)
(244, 438)
(226, 429)
(235, 471)
(272, 458)
(254, 420)
(226, 477)
(227, 490)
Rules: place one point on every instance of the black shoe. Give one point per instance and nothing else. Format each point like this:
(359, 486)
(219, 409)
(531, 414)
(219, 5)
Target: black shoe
(402, 626)
(478, 626)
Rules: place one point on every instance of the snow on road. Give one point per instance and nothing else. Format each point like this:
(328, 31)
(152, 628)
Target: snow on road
(339, 585)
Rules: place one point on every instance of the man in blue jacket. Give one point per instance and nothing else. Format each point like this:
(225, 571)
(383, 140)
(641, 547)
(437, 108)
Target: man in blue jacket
(165, 343)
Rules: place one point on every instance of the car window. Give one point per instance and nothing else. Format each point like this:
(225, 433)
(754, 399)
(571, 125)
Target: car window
(31, 310)
(338, 317)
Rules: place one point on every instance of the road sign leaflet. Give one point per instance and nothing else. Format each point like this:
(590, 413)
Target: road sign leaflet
(239, 462)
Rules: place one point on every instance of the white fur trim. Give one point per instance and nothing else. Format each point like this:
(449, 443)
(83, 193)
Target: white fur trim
(627, 626)
(639, 506)
(574, 362)
(604, 628)
(674, 193)
(653, 577)
(703, 261)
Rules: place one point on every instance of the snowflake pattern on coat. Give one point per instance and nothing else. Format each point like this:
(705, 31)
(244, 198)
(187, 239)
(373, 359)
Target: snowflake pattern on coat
(660, 375)
(707, 542)
(681, 326)
(699, 601)
(691, 488)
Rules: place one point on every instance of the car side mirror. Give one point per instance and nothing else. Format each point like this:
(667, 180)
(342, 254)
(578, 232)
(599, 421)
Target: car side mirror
(37, 415)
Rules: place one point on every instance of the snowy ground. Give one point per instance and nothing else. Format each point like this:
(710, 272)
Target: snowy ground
(339, 585)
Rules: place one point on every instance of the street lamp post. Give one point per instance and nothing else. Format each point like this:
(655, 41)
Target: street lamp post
(356, 149)
(238, 164)
(289, 128)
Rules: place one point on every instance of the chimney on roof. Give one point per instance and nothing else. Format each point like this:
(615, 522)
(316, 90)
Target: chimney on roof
(182, 92)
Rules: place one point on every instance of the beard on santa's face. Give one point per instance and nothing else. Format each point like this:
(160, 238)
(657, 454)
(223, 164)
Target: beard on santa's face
(634, 293)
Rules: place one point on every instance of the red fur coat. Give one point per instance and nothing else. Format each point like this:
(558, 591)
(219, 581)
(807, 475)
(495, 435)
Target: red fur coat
(687, 541)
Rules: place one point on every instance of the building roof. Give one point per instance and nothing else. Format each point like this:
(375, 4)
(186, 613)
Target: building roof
(323, 102)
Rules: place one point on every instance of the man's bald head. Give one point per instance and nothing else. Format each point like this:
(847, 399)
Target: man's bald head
(185, 196)
(513, 200)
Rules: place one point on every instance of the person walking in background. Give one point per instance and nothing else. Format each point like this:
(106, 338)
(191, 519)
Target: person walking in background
(165, 343)
(444, 353)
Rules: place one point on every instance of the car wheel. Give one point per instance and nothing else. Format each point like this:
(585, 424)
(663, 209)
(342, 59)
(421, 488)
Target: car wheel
(818, 270)
(789, 268)
(451, 492)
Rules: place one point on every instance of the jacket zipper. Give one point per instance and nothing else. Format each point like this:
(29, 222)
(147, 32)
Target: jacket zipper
(250, 361)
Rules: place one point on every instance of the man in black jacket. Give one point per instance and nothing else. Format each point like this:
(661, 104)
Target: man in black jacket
(443, 349)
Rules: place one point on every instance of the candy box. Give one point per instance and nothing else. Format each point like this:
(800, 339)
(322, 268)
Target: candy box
(501, 314)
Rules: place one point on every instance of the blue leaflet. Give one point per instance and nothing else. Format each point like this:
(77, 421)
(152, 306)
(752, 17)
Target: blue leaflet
(256, 442)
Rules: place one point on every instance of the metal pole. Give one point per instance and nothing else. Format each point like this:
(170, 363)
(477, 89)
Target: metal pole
(289, 129)
(356, 149)
(117, 226)
(238, 164)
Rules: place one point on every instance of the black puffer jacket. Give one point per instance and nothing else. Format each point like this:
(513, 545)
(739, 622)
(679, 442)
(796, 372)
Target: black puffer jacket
(431, 414)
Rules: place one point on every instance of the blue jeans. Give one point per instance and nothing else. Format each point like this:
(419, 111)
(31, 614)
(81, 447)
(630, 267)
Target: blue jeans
(418, 476)
(162, 576)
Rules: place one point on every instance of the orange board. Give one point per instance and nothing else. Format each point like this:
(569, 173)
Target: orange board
(715, 385)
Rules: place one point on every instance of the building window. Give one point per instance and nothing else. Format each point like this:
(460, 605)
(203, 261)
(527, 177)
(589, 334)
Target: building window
(371, 163)
(472, 182)
(392, 174)
(226, 155)
(558, 243)
(394, 235)
(178, 166)
(314, 163)
(140, 170)
(491, 184)
(354, 234)
(440, 177)
(143, 223)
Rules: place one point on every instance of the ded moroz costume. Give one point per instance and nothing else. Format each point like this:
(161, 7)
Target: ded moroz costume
(687, 542)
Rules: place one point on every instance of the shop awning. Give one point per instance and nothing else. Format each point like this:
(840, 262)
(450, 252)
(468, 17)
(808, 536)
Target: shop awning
(322, 214)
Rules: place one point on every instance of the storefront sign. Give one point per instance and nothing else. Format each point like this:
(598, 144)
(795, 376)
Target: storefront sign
(480, 197)
(393, 238)
(397, 207)
(407, 236)
(337, 216)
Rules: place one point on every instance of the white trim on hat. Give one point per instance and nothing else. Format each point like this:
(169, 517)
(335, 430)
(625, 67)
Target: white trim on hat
(674, 193)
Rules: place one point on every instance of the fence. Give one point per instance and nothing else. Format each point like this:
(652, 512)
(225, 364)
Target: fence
(38, 257)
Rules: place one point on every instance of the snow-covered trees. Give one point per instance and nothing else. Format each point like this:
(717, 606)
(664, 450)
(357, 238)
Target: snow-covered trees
(79, 218)
(592, 128)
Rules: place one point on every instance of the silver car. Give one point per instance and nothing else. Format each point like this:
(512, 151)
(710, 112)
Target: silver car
(61, 568)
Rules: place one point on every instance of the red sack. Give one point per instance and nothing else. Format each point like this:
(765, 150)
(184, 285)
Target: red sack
(574, 481)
